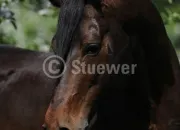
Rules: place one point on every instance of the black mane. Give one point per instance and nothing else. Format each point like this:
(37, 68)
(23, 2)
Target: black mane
(69, 18)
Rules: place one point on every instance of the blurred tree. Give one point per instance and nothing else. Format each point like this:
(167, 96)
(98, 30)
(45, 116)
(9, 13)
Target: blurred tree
(33, 23)
(6, 13)
(170, 12)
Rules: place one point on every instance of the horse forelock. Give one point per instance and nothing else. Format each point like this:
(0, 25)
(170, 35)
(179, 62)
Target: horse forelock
(69, 19)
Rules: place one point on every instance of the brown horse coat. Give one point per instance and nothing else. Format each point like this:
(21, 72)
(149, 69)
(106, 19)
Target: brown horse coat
(25, 91)
(161, 57)
(142, 17)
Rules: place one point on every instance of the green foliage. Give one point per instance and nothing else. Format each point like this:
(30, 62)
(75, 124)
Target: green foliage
(170, 12)
(6, 13)
(34, 28)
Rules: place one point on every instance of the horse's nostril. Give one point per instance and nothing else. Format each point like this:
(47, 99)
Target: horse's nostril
(63, 128)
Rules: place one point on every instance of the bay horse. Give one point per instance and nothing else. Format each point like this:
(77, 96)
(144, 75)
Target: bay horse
(25, 90)
(75, 93)
(72, 102)
(137, 17)
(161, 61)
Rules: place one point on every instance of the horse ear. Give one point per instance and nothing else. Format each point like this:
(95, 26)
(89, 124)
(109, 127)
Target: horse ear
(56, 3)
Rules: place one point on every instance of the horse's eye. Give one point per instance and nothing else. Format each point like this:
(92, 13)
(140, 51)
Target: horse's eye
(92, 49)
